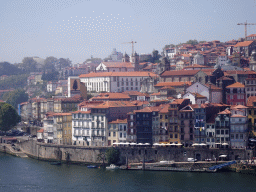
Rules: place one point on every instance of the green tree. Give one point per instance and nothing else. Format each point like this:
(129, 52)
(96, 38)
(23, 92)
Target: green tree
(50, 76)
(29, 64)
(8, 117)
(113, 155)
(9, 69)
(155, 56)
(75, 85)
(50, 63)
(192, 42)
(64, 63)
(15, 97)
(14, 82)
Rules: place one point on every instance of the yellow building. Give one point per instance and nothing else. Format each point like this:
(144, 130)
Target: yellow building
(251, 104)
(113, 132)
(62, 128)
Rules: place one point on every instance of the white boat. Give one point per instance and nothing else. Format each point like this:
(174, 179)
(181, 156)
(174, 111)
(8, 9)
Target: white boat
(112, 166)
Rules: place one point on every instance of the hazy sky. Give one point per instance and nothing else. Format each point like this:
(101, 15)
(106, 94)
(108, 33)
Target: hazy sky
(77, 29)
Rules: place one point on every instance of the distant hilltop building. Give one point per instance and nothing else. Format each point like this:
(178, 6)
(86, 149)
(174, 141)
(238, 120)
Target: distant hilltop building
(115, 56)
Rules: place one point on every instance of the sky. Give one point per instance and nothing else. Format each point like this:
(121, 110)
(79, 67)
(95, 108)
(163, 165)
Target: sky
(81, 29)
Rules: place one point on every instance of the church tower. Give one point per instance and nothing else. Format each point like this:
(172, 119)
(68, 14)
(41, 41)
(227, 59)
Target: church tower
(135, 61)
(125, 58)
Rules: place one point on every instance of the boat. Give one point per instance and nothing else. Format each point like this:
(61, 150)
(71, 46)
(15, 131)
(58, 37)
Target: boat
(92, 166)
(112, 166)
(56, 163)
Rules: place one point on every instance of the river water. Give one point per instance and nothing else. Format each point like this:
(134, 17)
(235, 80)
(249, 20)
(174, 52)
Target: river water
(25, 174)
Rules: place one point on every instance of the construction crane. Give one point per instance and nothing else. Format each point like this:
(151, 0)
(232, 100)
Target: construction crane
(132, 42)
(245, 27)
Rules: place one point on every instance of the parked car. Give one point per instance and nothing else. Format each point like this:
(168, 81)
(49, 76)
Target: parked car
(32, 136)
(192, 160)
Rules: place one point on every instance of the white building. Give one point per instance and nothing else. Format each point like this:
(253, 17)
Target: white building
(213, 93)
(88, 129)
(52, 86)
(114, 81)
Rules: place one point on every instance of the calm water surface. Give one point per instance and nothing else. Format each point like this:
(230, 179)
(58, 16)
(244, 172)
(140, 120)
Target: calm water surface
(19, 174)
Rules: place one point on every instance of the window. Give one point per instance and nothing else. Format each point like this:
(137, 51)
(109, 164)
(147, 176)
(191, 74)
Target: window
(241, 136)
(226, 132)
(171, 136)
(176, 136)
(124, 127)
(222, 132)
(121, 135)
(218, 132)
(114, 134)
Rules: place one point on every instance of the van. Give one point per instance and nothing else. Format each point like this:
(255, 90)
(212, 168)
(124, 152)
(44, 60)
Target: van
(192, 160)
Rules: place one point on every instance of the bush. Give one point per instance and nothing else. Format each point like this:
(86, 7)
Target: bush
(112, 156)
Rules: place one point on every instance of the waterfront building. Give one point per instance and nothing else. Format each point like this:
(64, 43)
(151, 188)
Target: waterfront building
(250, 85)
(222, 128)
(199, 122)
(82, 128)
(117, 131)
(99, 126)
(62, 127)
(114, 81)
(210, 131)
(238, 127)
(131, 124)
(25, 111)
(175, 130)
(48, 135)
(236, 94)
(251, 104)
(186, 123)
(161, 127)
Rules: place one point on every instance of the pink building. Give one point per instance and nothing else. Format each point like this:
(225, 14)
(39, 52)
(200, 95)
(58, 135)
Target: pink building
(236, 94)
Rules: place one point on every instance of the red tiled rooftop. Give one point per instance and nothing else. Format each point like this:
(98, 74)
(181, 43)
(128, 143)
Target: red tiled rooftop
(236, 85)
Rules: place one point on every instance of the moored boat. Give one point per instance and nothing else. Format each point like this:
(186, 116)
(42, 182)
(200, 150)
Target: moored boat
(112, 166)
(92, 166)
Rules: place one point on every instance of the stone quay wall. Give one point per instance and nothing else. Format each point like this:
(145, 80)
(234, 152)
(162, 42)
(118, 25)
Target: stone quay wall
(81, 154)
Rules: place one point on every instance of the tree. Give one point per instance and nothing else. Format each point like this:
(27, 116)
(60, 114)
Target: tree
(192, 42)
(50, 76)
(8, 117)
(15, 97)
(113, 155)
(50, 63)
(64, 63)
(14, 82)
(155, 56)
(75, 85)
(9, 69)
(29, 64)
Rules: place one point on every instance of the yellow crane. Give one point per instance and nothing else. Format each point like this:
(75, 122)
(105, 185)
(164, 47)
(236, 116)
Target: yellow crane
(132, 42)
(245, 27)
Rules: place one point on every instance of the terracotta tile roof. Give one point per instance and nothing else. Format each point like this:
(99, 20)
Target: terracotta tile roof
(110, 95)
(83, 112)
(213, 87)
(155, 94)
(40, 131)
(237, 84)
(89, 103)
(198, 95)
(139, 103)
(177, 101)
(250, 101)
(1, 101)
(196, 66)
(225, 112)
(236, 115)
(224, 78)
(252, 35)
(164, 109)
(147, 110)
(179, 73)
(173, 84)
(240, 72)
(243, 44)
(109, 104)
(61, 114)
(118, 64)
(118, 121)
(239, 107)
(120, 74)
(136, 93)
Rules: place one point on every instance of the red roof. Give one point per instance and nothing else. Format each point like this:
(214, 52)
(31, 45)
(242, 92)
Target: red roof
(251, 100)
(236, 85)
(120, 74)
(40, 131)
(173, 84)
(118, 121)
(243, 44)
(106, 96)
(118, 64)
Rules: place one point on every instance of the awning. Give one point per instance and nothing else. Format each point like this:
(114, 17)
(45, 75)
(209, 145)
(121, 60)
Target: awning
(223, 156)
(195, 144)
(202, 144)
(156, 144)
(173, 144)
(179, 144)
(224, 143)
(132, 143)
